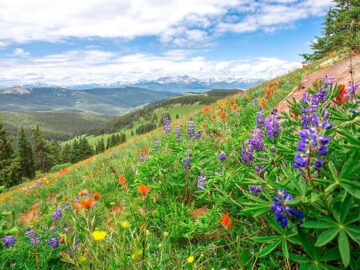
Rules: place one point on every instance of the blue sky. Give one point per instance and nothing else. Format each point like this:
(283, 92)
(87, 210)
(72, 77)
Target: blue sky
(104, 41)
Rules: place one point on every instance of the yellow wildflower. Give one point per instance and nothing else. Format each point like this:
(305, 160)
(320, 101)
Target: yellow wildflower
(125, 225)
(99, 235)
(190, 259)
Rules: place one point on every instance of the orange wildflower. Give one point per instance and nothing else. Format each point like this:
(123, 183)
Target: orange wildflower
(223, 115)
(97, 196)
(213, 116)
(143, 189)
(206, 110)
(225, 220)
(122, 180)
(263, 102)
(87, 203)
(234, 106)
(204, 125)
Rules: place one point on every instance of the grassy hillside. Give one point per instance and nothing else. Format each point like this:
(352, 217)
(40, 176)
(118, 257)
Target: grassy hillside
(175, 107)
(215, 200)
(54, 125)
(107, 101)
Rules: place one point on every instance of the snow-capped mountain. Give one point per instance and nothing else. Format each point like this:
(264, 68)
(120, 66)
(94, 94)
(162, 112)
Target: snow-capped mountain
(179, 84)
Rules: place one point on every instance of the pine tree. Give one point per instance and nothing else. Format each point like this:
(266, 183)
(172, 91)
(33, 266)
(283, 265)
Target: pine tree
(108, 143)
(75, 153)
(65, 155)
(25, 155)
(54, 150)
(100, 146)
(10, 173)
(85, 148)
(41, 151)
(341, 30)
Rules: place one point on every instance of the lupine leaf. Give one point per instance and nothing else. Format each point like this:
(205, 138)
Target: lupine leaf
(268, 249)
(345, 208)
(318, 225)
(344, 248)
(285, 248)
(326, 237)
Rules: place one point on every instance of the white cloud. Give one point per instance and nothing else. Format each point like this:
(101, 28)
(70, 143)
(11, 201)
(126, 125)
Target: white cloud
(273, 15)
(95, 66)
(3, 44)
(177, 21)
(20, 52)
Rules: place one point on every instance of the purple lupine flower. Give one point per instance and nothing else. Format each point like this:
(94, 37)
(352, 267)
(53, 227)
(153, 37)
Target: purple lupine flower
(260, 118)
(35, 240)
(191, 127)
(29, 233)
(259, 169)
(247, 152)
(157, 142)
(142, 157)
(197, 135)
(352, 90)
(53, 242)
(222, 156)
(256, 139)
(178, 133)
(166, 122)
(9, 240)
(282, 211)
(201, 184)
(67, 206)
(57, 214)
(186, 164)
(329, 80)
(77, 199)
(272, 126)
(255, 189)
(66, 228)
(312, 141)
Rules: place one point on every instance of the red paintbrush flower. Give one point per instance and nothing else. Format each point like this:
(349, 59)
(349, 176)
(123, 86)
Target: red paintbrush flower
(341, 97)
(143, 190)
(97, 196)
(225, 220)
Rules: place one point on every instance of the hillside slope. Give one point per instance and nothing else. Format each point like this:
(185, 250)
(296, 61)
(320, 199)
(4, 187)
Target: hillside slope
(224, 188)
(107, 101)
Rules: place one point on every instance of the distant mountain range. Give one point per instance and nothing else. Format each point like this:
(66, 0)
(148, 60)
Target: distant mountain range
(177, 84)
(106, 101)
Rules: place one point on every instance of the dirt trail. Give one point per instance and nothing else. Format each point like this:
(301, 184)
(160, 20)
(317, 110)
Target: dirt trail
(340, 71)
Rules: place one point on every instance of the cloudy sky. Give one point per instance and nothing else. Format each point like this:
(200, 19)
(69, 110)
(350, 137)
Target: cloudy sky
(71, 42)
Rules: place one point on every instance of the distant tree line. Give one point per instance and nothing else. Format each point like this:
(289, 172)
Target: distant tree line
(21, 159)
(127, 120)
(30, 153)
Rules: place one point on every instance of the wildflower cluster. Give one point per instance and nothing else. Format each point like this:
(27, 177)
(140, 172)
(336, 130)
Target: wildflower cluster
(201, 184)
(282, 211)
(312, 145)
(272, 125)
(166, 122)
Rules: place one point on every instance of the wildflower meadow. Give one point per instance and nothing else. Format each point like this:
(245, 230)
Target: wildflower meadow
(237, 185)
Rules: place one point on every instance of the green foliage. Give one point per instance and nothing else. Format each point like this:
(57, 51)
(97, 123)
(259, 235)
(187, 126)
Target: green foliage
(341, 30)
(25, 155)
